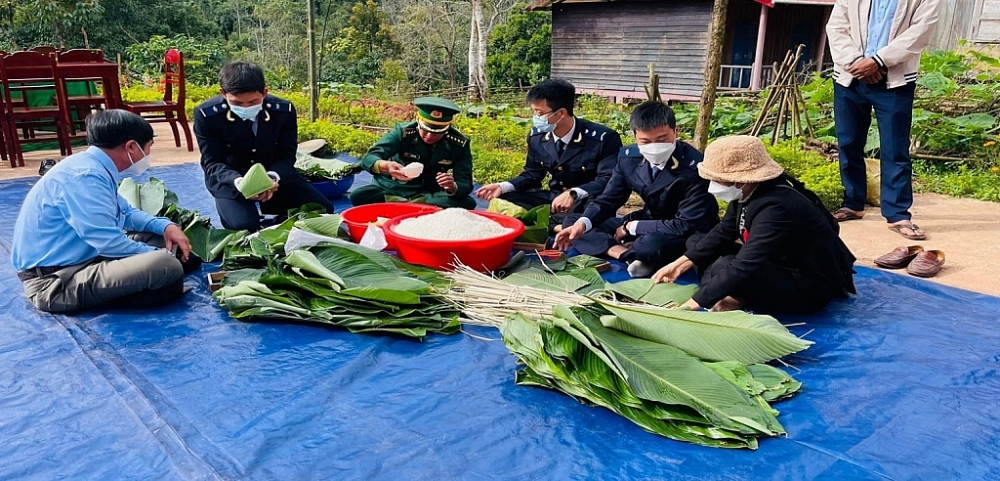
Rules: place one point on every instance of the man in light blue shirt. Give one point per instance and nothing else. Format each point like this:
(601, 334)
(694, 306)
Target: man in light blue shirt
(70, 246)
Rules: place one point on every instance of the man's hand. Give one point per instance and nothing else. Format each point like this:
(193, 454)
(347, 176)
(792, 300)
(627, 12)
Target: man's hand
(394, 169)
(566, 237)
(863, 68)
(874, 78)
(563, 203)
(621, 233)
(673, 270)
(266, 195)
(174, 236)
(489, 192)
(447, 182)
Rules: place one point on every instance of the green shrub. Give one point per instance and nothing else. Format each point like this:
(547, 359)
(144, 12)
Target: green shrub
(339, 138)
(495, 165)
(202, 60)
(820, 174)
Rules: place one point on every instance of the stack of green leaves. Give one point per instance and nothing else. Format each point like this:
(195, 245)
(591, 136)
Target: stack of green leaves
(536, 220)
(155, 198)
(255, 182)
(343, 285)
(267, 245)
(661, 386)
(315, 169)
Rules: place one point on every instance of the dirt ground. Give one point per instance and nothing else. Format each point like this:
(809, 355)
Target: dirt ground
(968, 231)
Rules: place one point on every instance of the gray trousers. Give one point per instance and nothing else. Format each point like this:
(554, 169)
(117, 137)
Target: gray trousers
(143, 280)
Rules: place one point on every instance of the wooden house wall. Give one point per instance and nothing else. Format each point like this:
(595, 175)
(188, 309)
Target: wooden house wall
(984, 21)
(608, 46)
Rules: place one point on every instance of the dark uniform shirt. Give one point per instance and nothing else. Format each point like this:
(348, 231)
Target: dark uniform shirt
(229, 146)
(677, 201)
(587, 161)
(403, 144)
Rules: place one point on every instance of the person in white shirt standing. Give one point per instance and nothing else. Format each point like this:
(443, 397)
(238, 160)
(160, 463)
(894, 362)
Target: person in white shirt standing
(876, 47)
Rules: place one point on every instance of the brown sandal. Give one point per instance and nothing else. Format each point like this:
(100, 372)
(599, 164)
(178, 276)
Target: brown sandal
(915, 232)
(844, 214)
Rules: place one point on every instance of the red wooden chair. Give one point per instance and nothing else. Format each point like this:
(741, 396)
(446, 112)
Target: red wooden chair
(82, 104)
(3, 122)
(45, 49)
(21, 73)
(168, 110)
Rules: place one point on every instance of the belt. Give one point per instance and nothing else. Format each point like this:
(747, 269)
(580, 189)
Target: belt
(37, 272)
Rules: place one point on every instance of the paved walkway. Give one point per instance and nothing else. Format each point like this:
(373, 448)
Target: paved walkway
(968, 231)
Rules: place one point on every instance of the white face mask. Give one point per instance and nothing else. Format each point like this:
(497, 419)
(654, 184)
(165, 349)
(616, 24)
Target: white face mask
(658, 153)
(137, 168)
(247, 113)
(724, 193)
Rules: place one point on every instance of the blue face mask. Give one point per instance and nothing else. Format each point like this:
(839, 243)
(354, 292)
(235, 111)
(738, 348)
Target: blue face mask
(542, 123)
(246, 113)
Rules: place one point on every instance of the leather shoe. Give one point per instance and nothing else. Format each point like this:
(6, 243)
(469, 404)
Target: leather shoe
(926, 264)
(899, 258)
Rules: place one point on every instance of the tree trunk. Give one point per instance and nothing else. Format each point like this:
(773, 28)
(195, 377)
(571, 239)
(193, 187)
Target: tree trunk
(477, 52)
(712, 65)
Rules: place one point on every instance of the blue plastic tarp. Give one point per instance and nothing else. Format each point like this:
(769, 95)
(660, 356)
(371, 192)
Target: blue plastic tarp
(902, 383)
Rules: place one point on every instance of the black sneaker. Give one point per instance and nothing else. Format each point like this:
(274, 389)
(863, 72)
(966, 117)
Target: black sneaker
(46, 166)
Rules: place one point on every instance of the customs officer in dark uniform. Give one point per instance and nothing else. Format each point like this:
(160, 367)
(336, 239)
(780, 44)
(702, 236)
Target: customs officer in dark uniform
(578, 155)
(244, 126)
(664, 172)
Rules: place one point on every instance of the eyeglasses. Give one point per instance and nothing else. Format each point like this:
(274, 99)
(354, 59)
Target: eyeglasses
(547, 114)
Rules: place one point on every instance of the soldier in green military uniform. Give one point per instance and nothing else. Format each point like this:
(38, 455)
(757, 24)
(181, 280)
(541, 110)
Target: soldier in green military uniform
(446, 180)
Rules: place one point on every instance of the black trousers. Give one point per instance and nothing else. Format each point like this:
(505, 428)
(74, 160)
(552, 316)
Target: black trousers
(241, 214)
(531, 199)
(772, 288)
(655, 250)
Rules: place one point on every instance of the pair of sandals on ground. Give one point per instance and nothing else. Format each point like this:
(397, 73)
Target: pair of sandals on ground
(905, 228)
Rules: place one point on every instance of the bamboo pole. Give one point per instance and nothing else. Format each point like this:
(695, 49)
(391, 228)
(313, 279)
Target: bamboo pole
(311, 33)
(712, 65)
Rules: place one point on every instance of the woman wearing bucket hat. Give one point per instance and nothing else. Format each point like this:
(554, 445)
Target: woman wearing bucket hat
(776, 249)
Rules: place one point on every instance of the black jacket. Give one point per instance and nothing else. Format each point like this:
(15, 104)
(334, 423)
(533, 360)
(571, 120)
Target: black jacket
(785, 224)
(229, 147)
(677, 202)
(586, 163)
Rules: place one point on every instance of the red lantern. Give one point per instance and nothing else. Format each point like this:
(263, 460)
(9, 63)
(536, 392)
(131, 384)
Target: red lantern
(172, 56)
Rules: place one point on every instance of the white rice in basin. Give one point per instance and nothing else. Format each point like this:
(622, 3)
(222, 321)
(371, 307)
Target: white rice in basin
(453, 224)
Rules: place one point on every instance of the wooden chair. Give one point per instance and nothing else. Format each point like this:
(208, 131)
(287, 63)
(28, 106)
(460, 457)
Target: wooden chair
(25, 72)
(44, 50)
(3, 122)
(168, 110)
(82, 104)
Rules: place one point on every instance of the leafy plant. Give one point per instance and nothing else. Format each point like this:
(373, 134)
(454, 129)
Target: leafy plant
(202, 60)
(662, 389)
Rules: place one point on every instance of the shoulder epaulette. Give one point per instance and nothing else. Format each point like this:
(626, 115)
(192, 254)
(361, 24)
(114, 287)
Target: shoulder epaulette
(275, 104)
(456, 137)
(534, 132)
(630, 151)
(409, 129)
(596, 131)
(213, 107)
(459, 139)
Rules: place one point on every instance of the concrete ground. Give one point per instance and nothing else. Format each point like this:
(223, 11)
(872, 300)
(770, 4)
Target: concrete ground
(968, 231)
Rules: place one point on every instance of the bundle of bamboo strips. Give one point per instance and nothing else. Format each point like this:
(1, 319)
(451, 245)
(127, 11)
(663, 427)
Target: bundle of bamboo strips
(786, 98)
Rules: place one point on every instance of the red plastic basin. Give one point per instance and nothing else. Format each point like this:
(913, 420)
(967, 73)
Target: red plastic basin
(482, 254)
(357, 218)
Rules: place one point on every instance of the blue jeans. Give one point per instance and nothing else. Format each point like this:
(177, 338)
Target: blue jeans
(852, 109)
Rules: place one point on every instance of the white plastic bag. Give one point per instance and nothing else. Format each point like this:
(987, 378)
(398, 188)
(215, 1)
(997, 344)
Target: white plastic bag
(300, 239)
(413, 169)
(374, 238)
